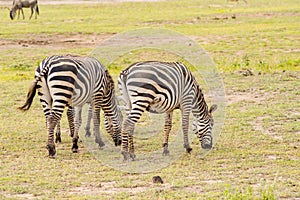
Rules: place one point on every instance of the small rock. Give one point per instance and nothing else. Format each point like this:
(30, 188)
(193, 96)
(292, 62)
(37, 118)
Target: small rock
(157, 179)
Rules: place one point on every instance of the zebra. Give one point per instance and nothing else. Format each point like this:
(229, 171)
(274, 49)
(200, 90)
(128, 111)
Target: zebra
(161, 87)
(71, 81)
(20, 4)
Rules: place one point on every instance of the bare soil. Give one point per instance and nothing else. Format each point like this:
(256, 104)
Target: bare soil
(57, 41)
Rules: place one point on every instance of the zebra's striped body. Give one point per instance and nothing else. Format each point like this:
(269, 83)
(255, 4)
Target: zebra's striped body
(72, 81)
(161, 87)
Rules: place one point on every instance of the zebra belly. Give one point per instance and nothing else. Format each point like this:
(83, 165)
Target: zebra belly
(160, 105)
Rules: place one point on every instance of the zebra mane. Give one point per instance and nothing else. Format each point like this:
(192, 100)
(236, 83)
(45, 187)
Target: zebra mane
(110, 81)
(199, 97)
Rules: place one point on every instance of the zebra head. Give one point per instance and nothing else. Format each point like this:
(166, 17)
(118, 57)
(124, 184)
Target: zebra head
(113, 132)
(203, 128)
(12, 14)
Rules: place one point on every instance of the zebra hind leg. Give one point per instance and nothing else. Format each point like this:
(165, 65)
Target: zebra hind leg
(124, 149)
(127, 148)
(70, 115)
(58, 133)
(51, 123)
(131, 147)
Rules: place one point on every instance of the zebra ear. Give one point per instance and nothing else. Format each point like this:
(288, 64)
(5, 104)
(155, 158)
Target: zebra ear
(213, 108)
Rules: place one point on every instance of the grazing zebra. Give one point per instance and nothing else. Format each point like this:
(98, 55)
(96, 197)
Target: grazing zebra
(161, 87)
(20, 4)
(72, 81)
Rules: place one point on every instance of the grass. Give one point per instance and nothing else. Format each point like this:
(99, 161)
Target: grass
(257, 154)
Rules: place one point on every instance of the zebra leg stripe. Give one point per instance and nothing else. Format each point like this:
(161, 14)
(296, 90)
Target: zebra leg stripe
(131, 146)
(88, 122)
(70, 115)
(58, 133)
(78, 121)
(185, 128)
(96, 118)
(51, 123)
(167, 129)
(127, 138)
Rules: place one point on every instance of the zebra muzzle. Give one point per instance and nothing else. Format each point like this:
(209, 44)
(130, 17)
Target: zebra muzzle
(206, 145)
(206, 142)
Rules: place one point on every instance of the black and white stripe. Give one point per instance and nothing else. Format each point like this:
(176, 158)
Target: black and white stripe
(161, 87)
(72, 81)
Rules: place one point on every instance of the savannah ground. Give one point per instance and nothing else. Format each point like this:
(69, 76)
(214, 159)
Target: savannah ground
(256, 48)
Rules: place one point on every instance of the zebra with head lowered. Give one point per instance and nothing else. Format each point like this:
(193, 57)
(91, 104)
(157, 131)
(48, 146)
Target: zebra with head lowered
(18, 5)
(161, 87)
(72, 81)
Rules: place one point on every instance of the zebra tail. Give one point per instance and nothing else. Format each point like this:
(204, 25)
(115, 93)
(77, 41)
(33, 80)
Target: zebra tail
(30, 96)
(37, 9)
(122, 80)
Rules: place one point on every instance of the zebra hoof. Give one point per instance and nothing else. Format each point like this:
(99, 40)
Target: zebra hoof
(101, 144)
(51, 150)
(188, 150)
(117, 142)
(132, 156)
(126, 155)
(87, 133)
(75, 148)
(58, 140)
(166, 152)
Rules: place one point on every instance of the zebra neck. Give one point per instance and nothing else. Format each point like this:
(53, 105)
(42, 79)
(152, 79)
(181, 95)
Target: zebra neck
(200, 108)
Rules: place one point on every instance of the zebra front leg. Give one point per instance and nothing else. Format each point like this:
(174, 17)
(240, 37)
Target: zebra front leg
(96, 117)
(77, 126)
(58, 133)
(18, 14)
(23, 13)
(185, 128)
(31, 12)
(88, 122)
(167, 128)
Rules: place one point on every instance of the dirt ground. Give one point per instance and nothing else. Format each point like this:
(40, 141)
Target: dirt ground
(57, 41)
